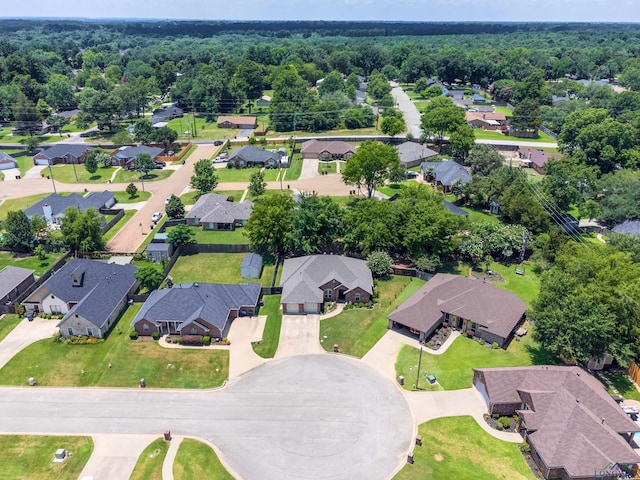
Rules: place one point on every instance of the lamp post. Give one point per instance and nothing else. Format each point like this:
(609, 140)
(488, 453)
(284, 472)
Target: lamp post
(141, 229)
(51, 175)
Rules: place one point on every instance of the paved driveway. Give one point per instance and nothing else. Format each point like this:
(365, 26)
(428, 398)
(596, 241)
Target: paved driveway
(299, 335)
(10, 174)
(242, 332)
(114, 456)
(306, 417)
(309, 168)
(25, 334)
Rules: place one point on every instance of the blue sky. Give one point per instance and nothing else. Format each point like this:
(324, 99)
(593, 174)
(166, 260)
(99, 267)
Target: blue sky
(409, 10)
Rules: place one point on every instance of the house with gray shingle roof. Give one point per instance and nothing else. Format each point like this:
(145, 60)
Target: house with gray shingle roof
(62, 153)
(52, 208)
(413, 154)
(7, 161)
(89, 293)
(573, 426)
(445, 173)
(254, 156)
(466, 303)
(307, 282)
(125, 156)
(196, 309)
(628, 227)
(213, 211)
(14, 281)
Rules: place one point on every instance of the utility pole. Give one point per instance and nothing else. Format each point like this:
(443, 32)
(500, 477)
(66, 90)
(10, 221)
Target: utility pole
(73, 162)
(419, 363)
(51, 175)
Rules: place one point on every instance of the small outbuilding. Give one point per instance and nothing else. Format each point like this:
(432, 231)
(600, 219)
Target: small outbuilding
(251, 266)
(157, 252)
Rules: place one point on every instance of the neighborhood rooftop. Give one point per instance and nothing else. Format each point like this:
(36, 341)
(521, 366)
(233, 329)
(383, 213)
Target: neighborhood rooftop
(216, 208)
(62, 149)
(11, 277)
(59, 203)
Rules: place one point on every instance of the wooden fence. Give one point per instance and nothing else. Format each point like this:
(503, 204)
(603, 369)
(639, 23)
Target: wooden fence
(634, 372)
(119, 213)
(184, 149)
(412, 272)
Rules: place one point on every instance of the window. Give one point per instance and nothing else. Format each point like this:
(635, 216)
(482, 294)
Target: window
(90, 331)
(70, 331)
(56, 310)
(328, 293)
(356, 297)
(145, 327)
(194, 331)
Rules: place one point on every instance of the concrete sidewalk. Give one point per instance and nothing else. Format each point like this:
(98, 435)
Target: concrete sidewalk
(115, 456)
(167, 466)
(25, 334)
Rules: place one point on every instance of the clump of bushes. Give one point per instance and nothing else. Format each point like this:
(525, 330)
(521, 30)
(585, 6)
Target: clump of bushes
(504, 423)
(206, 340)
(226, 341)
(495, 345)
(133, 335)
(155, 335)
(525, 448)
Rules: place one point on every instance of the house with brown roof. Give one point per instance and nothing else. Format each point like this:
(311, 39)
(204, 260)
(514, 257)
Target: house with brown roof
(468, 304)
(228, 121)
(327, 149)
(574, 427)
(536, 158)
(485, 120)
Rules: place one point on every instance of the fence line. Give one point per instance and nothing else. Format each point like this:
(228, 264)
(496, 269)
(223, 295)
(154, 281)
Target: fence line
(119, 213)
(549, 132)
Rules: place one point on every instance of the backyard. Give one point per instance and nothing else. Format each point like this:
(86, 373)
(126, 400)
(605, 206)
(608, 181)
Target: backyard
(457, 448)
(32, 262)
(196, 460)
(220, 236)
(117, 362)
(29, 456)
(191, 197)
(149, 465)
(357, 330)
(271, 335)
(215, 268)
(496, 135)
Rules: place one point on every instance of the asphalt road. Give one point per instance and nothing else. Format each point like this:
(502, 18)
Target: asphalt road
(304, 417)
(408, 109)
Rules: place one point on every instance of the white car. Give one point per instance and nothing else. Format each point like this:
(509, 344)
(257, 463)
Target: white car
(223, 155)
(166, 200)
(155, 218)
(219, 160)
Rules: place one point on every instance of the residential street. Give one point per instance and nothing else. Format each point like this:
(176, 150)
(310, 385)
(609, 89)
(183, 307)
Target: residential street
(408, 109)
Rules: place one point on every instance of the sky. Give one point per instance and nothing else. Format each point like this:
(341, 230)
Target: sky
(404, 10)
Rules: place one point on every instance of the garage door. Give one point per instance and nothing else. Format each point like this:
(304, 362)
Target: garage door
(291, 308)
(480, 387)
(44, 162)
(310, 308)
(7, 166)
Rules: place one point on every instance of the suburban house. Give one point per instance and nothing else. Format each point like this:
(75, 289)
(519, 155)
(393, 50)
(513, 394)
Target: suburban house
(7, 161)
(456, 94)
(574, 427)
(89, 293)
(536, 158)
(52, 208)
(468, 304)
(251, 266)
(263, 101)
(62, 153)
(485, 120)
(196, 309)
(445, 173)
(413, 154)
(254, 156)
(327, 149)
(628, 227)
(478, 99)
(14, 281)
(213, 211)
(125, 156)
(165, 114)
(307, 282)
(227, 121)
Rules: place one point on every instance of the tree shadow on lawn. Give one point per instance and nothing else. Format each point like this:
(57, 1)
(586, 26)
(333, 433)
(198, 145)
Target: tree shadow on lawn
(540, 356)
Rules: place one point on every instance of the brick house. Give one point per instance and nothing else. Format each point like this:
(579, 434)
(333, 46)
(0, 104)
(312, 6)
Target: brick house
(536, 158)
(62, 153)
(213, 211)
(125, 156)
(227, 121)
(257, 157)
(327, 149)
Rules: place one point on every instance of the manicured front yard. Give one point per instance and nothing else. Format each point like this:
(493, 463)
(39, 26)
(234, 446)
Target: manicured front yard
(196, 460)
(123, 197)
(294, 170)
(7, 323)
(220, 236)
(57, 364)
(236, 174)
(356, 331)
(29, 261)
(29, 457)
(118, 226)
(271, 335)
(215, 268)
(191, 197)
(453, 369)
(131, 176)
(22, 203)
(149, 465)
(65, 174)
(329, 167)
(457, 448)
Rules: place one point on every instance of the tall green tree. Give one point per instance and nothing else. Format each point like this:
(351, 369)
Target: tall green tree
(181, 235)
(149, 277)
(369, 167)
(462, 140)
(17, 231)
(204, 179)
(174, 207)
(257, 185)
(441, 117)
(143, 131)
(91, 164)
(269, 227)
(317, 221)
(484, 159)
(81, 230)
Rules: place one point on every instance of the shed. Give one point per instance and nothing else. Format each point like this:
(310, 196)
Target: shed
(251, 266)
(157, 252)
(159, 238)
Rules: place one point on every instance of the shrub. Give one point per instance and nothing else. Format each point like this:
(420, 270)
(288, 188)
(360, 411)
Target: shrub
(495, 345)
(226, 341)
(504, 422)
(206, 340)
(525, 448)
(168, 339)
(155, 335)
(495, 416)
(498, 426)
(429, 344)
(192, 340)
(470, 333)
(133, 335)
(175, 340)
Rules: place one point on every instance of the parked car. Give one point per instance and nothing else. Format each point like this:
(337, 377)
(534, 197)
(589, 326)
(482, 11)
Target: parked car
(87, 134)
(217, 143)
(155, 218)
(160, 164)
(223, 154)
(411, 174)
(219, 160)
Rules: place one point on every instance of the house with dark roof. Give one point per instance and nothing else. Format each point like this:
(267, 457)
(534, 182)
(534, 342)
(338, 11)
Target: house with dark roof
(628, 227)
(52, 208)
(574, 427)
(536, 158)
(228, 121)
(165, 114)
(65, 153)
(327, 149)
(307, 282)
(445, 174)
(254, 156)
(478, 99)
(14, 281)
(456, 210)
(125, 156)
(7, 161)
(89, 293)
(468, 304)
(213, 211)
(455, 94)
(196, 309)
(263, 101)
(413, 154)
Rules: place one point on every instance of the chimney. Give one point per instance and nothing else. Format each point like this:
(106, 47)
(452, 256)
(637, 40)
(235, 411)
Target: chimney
(47, 212)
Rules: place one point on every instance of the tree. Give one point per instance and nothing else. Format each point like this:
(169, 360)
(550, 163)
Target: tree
(165, 136)
(484, 159)
(567, 180)
(143, 163)
(370, 225)
(103, 158)
(149, 277)
(533, 88)
(316, 221)
(204, 178)
(397, 174)
(379, 263)
(132, 190)
(370, 165)
(526, 116)
(181, 235)
(81, 231)
(257, 185)
(39, 227)
(17, 231)
(269, 227)
(392, 126)
(143, 131)
(440, 117)
(121, 138)
(462, 140)
(31, 143)
(485, 240)
(91, 164)
(60, 92)
(174, 207)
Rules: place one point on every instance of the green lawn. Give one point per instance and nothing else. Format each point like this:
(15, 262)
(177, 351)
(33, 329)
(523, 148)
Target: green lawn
(22, 203)
(29, 457)
(215, 268)
(131, 176)
(506, 110)
(56, 364)
(191, 197)
(221, 236)
(149, 465)
(623, 384)
(329, 167)
(269, 192)
(525, 286)
(7, 137)
(7, 323)
(123, 197)
(121, 223)
(294, 170)
(196, 460)
(29, 261)
(391, 189)
(457, 448)
(356, 331)
(344, 201)
(67, 174)
(496, 135)
(453, 369)
(477, 215)
(24, 159)
(204, 130)
(273, 174)
(271, 335)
